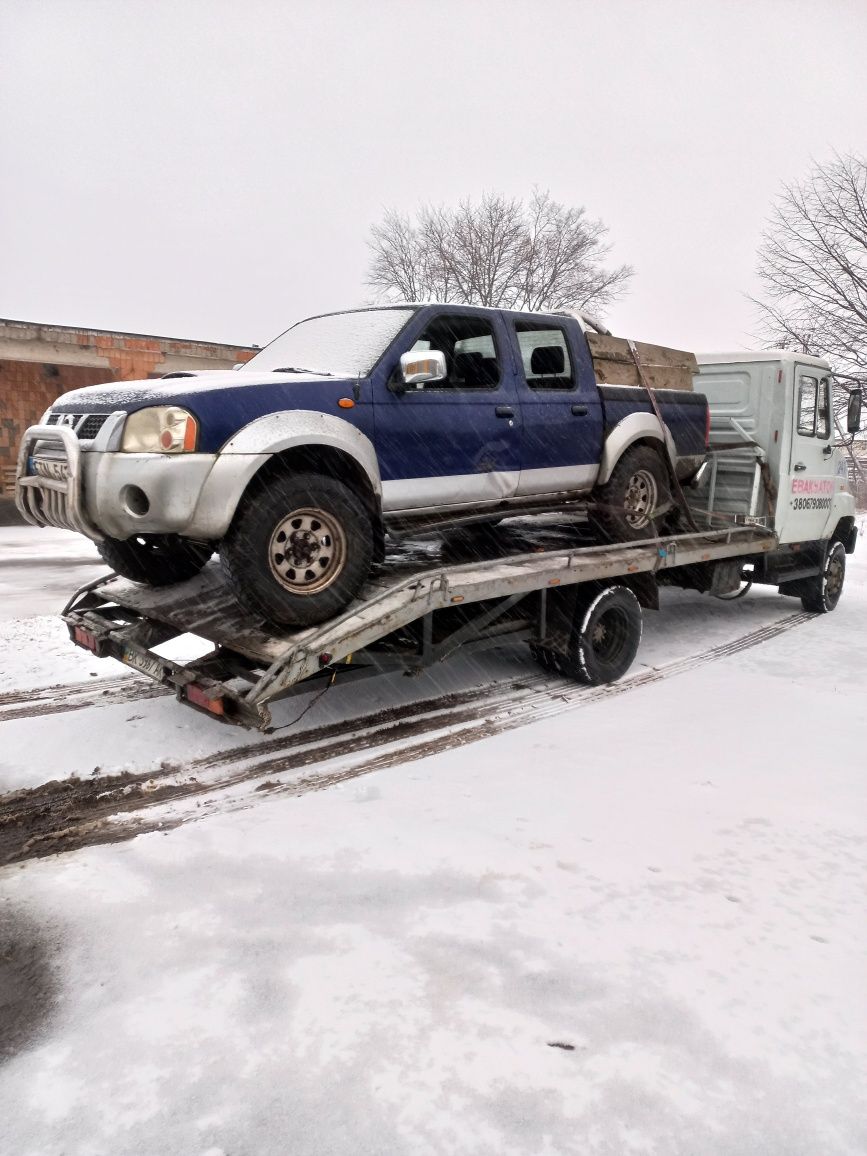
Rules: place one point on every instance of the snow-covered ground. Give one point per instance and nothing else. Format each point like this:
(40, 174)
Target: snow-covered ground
(634, 927)
(58, 560)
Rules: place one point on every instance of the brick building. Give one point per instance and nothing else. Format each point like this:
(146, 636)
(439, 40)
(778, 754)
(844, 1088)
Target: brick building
(39, 362)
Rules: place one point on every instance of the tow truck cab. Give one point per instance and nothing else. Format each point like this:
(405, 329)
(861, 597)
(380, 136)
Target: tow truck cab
(772, 415)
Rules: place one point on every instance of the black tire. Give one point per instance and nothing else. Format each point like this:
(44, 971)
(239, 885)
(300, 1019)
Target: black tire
(331, 537)
(635, 500)
(155, 559)
(827, 587)
(606, 633)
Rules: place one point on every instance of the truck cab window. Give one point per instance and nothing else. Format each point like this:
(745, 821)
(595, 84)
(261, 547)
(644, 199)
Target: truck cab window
(807, 396)
(823, 410)
(544, 356)
(469, 348)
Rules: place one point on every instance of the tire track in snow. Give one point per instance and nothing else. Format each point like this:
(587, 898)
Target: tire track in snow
(61, 697)
(65, 814)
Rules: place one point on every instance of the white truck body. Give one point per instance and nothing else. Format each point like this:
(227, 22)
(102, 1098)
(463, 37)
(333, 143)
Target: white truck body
(781, 402)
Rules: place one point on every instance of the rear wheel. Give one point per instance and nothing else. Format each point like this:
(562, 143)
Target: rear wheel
(824, 591)
(604, 640)
(299, 548)
(155, 559)
(634, 499)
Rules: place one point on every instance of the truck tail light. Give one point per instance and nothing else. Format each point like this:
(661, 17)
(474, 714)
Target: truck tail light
(85, 638)
(199, 696)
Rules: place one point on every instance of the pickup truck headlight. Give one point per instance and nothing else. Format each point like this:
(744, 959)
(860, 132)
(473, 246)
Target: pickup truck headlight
(160, 429)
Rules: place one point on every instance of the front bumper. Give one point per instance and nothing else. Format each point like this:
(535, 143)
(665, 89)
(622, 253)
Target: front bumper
(49, 492)
(106, 494)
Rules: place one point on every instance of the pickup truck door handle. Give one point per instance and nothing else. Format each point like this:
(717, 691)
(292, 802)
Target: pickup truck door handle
(504, 411)
(579, 410)
(800, 466)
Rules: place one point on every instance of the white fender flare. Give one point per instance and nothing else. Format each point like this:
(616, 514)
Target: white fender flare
(633, 428)
(250, 448)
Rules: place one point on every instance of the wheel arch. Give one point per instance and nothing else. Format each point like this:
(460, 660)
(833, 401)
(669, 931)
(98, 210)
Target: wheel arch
(634, 430)
(333, 462)
(296, 439)
(846, 532)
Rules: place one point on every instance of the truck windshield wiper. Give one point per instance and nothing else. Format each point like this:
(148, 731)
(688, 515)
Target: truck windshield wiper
(298, 369)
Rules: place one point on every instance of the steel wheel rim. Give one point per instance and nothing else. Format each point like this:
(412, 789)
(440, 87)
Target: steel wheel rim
(834, 573)
(641, 499)
(609, 634)
(307, 550)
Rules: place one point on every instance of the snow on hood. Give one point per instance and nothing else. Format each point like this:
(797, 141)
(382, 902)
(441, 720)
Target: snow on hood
(122, 394)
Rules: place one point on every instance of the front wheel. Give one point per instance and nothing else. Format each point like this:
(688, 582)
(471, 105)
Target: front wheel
(155, 559)
(299, 548)
(825, 589)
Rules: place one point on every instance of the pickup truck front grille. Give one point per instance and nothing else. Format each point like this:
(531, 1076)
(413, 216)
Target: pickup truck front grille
(85, 425)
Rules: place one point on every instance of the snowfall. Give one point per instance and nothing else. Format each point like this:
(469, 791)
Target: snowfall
(633, 924)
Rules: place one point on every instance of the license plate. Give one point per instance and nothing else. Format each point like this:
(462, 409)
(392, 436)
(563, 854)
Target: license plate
(50, 468)
(143, 662)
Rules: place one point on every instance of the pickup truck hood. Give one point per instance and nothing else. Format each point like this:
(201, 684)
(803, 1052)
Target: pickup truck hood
(225, 402)
(132, 395)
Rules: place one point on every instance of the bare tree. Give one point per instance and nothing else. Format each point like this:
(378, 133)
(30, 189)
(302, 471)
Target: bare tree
(813, 266)
(496, 251)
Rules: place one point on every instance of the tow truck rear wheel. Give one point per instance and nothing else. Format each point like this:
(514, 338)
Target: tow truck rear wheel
(822, 593)
(155, 559)
(299, 548)
(635, 499)
(605, 637)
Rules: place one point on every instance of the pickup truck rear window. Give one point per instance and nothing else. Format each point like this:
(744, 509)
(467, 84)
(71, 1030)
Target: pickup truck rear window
(544, 355)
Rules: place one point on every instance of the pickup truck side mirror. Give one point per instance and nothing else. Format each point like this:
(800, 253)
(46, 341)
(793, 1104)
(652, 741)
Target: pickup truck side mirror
(853, 412)
(419, 366)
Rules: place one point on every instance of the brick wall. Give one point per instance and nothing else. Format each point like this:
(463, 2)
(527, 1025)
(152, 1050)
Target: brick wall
(40, 362)
(27, 389)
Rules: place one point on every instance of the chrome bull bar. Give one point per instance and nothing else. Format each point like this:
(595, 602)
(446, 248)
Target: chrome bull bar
(54, 497)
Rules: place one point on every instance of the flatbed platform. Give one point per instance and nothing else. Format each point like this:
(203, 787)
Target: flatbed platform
(390, 625)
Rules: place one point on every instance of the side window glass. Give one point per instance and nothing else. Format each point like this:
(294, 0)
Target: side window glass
(823, 410)
(469, 348)
(544, 355)
(807, 392)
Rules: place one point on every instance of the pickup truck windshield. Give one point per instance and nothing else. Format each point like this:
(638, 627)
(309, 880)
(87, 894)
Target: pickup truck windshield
(338, 344)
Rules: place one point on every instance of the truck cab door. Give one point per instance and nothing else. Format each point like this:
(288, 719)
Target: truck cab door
(812, 465)
(454, 442)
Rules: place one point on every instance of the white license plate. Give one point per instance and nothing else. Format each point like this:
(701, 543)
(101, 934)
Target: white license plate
(144, 663)
(49, 468)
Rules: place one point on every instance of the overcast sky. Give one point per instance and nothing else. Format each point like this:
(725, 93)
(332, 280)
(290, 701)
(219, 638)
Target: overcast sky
(211, 170)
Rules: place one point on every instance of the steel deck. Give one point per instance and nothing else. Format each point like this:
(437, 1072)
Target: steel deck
(127, 620)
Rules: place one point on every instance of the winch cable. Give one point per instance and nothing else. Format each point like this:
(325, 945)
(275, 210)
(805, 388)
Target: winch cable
(672, 472)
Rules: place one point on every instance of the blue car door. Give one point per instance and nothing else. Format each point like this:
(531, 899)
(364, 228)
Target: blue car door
(561, 407)
(454, 442)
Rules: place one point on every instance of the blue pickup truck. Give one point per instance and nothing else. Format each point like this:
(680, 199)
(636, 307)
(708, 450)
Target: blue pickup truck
(296, 465)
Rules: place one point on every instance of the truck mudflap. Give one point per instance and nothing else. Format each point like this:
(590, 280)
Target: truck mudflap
(407, 617)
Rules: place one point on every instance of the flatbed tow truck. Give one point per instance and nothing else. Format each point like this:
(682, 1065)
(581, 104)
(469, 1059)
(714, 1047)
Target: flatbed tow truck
(771, 505)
